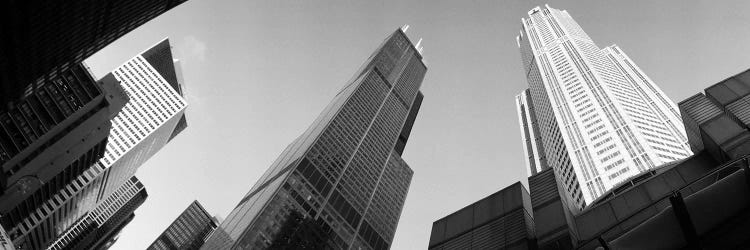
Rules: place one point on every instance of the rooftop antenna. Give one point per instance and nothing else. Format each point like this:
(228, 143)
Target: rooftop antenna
(419, 46)
(404, 28)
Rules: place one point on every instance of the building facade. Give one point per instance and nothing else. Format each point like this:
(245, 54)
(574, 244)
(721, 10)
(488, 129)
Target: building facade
(145, 124)
(530, 134)
(189, 231)
(153, 117)
(699, 202)
(105, 222)
(53, 135)
(600, 119)
(40, 39)
(342, 183)
(6, 243)
(500, 221)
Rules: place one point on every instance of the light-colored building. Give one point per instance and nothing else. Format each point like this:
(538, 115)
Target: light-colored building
(530, 134)
(151, 118)
(155, 113)
(598, 117)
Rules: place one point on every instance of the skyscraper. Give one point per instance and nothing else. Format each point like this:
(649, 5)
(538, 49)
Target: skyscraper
(342, 183)
(153, 117)
(146, 123)
(39, 39)
(51, 137)
(106, 220)
(188, 231)
(530, 134)
(598, 117)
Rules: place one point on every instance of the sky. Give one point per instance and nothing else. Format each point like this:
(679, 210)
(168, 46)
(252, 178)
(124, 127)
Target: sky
(257, 73)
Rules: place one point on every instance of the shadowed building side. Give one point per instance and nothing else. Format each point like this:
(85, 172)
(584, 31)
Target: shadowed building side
(502, 220)
(145, 124)
(189, 231)
(51, 138)
(102, 225)
(41, 39)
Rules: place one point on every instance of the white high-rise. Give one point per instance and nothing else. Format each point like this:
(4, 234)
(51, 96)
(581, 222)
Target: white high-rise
(153, 115)
(590, 114)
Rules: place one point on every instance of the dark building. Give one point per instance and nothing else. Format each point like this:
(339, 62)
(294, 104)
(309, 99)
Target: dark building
(51, 136)
(154, 110)
(100, 228)
(701, 202)
(41, 39)
(188, 231)
(552, 214)
(499, 221)
(342, 183)
(54, 119)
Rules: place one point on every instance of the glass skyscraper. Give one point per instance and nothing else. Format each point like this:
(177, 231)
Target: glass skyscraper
(188, 231)
(342, 183)
(39, 39)
(590, 114)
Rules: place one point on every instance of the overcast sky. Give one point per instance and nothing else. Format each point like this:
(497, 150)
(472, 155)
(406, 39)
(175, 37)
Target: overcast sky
(257, 73)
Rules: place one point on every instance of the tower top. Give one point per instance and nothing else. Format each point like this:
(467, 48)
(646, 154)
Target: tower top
(419, 46)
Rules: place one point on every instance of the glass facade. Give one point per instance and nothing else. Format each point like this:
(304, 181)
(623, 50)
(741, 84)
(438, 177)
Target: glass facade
(39, 39)
(342, 182)
(188, 231)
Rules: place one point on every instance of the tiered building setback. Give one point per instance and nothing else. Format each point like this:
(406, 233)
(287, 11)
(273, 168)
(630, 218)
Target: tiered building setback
(590, 114)
(342, 183)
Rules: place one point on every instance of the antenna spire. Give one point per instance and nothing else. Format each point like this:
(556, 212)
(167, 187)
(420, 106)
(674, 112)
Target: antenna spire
(419, 46)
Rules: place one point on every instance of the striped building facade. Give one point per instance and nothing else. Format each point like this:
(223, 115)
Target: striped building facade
(144, 125)
(602, 120)
(342, 183)
(189, 231)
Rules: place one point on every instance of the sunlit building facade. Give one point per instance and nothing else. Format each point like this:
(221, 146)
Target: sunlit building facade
(56, 133)
(342, 183)
(599, 119)
(151, 118)
(530, 134)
